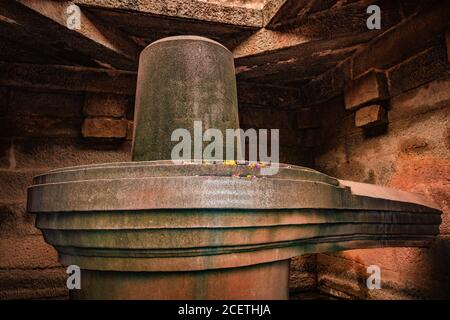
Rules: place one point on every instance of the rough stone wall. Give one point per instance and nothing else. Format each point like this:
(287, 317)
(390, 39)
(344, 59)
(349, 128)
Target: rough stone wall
(412, 153)
(40, 130)
(303, 276)
(272, 107)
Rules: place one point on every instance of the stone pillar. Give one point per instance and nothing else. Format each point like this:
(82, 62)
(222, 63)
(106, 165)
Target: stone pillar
(182, 79)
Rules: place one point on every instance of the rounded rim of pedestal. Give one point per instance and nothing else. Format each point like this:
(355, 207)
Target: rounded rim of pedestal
(165, 185)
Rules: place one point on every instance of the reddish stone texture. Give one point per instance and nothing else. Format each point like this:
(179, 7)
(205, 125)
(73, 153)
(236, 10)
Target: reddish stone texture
(28, 252)
(398, 44)
(406, 273)
(14, 183)
(44, 153)
(36, 126)
(130, 127)
(369, 88)
(418, 70)
(105, 105)
(45, 104)
(48, 283)
(104, 128)
(431, 96)
(41, 130)
(425, 174)
(15, 221)
(29, 268)
(413, 156)
(369, 116)
(302, 274)
(328, 85)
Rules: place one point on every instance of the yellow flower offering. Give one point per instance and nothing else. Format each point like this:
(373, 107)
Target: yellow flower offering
(229, 163)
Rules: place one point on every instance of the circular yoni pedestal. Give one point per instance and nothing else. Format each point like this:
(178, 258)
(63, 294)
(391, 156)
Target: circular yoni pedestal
(154, 229)
(205, 230)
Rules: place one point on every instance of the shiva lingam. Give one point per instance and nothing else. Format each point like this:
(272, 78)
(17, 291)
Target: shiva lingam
(155, 229)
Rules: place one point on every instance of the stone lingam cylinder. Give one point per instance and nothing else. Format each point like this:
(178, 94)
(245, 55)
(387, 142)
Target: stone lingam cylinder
(163, 230)
(182, 80)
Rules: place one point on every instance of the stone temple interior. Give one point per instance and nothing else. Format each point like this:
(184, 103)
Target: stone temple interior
(370, 105)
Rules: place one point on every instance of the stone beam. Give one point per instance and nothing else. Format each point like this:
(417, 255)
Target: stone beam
(267, 96)
(287, 10)
(190, 9)
(270, 10)
(409, 37)
(20, 52)
(143, 24)
(272, 55)
(324, 39)
(418, 32)
(26, 43)
(371, 87)
(45, 22)
(336, 23)
(70, 78)
(302, 66)
(145, 28)
(292, 13)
